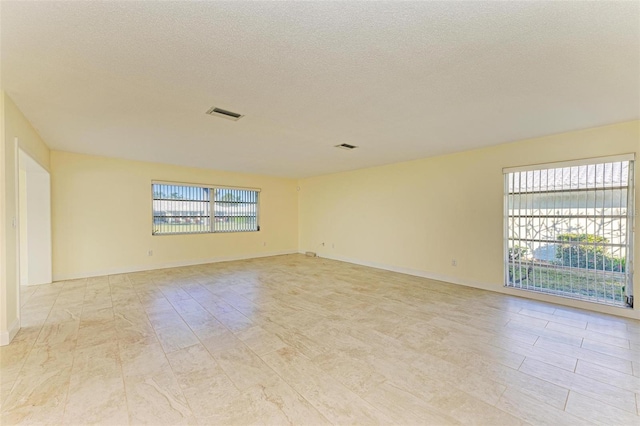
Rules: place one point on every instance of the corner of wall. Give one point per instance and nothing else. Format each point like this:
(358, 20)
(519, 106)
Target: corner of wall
(299, 230)
(6, 336)
(15, 127)
(3, 239)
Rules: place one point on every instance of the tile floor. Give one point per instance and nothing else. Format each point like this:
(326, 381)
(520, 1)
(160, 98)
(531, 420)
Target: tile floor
(297, 340)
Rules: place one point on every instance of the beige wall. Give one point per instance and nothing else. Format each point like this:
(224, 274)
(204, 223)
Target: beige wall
(101, 215)
(412, 217)
(16, 127)
(3, 230)
(417, 216)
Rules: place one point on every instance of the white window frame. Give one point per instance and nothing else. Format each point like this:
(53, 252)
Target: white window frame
(530, 265)
(212, 202)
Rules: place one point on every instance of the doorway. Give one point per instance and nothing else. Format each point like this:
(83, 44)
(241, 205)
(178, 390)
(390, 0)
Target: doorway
(34, 236)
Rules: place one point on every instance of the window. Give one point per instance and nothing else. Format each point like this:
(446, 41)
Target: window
(191, 209)
(568, 229)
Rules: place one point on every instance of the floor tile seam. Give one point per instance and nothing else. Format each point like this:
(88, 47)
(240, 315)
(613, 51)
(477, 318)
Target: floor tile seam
(526, 349)
(631, 375)
(609, 354)
(24, 359)
(550, 321)
(522, 329)
(2, 402)
(616, 347)
(628, 348)
(451, 383)
(533, 331)
(172, 375)
(520, 366)
(619, 323)
(215, 317)
(550, 365)
(506, 388)
(517, 416)
(232, 307)
(544, 379)
(173, 325)
(433, 410)
(588, 420)
(294, 388)
(594, 317)
(467, 394)
(206, 310)
(538, 401)
(118, 343)
(66, 400)
(577, 390)
(146, 314)
(157, 329)
(590, 331)
(471, 348)
(42, 326)
(612, 383)
(581, 358)
(217, 364)
(485, 331)
(488, 375)
(566, 401)
(124, 386)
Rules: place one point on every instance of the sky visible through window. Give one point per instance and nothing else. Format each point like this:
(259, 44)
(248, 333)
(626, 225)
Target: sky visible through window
(606, 175)
(194, 193)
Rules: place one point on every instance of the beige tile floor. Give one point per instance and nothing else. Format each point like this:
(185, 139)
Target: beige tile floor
(297, 340)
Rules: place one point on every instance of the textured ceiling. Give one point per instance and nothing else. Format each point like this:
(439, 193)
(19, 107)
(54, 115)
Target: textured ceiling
(400, 80)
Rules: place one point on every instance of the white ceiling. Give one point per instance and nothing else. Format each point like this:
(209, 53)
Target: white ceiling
(400, 80)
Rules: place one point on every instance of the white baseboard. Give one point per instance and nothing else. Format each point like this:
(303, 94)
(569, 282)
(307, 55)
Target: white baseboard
(32, 284)
(7, 336)
(410, 271)
(557, 300)
(141, 268)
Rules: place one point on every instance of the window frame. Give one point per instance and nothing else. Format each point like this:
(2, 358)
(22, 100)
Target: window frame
(211, 202)
(627, 299)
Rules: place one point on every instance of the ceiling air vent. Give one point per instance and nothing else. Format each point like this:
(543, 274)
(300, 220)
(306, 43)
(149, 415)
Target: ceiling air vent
(346, 146)
(219, 112)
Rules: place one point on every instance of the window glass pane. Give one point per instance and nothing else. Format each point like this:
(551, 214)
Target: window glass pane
(235, 210)
(180, 209)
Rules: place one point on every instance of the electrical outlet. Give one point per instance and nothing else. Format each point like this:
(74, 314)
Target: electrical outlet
(454, 262)
(333, 245)
(150, 253)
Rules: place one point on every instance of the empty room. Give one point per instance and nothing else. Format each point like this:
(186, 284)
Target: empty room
(310, 213)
